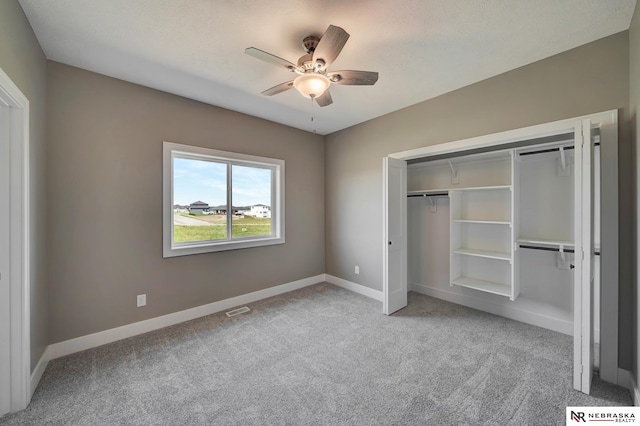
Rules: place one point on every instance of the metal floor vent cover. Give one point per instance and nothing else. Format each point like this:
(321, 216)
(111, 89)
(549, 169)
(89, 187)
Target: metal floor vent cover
(238, 311)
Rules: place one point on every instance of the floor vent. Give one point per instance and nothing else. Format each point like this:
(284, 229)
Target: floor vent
(238, 311)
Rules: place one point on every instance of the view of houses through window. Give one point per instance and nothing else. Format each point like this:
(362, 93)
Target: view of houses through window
(218, 200)
(201, 199)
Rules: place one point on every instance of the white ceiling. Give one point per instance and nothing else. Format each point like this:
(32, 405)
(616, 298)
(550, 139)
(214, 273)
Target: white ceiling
(421, 48)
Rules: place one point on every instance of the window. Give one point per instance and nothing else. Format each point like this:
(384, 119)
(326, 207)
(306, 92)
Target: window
(216, 200)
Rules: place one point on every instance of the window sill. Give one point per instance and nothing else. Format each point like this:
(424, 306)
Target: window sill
(212, 247)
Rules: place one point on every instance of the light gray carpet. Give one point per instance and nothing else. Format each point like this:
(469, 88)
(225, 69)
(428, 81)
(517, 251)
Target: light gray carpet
(322, 355)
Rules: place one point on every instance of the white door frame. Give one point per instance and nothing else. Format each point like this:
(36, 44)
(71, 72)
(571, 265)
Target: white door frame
(608, 122)
(18, 274)
(583, 258)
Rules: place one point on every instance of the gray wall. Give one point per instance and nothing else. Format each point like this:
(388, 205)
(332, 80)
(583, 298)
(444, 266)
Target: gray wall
(585, 80)
(23, 61)
(634, 74)
(105, 185)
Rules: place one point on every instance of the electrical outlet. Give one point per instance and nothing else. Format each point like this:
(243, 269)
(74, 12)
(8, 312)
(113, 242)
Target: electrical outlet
(141, 300)
(357, 270)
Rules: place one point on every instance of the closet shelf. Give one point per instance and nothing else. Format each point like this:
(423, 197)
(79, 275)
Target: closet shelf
(487, 222)
(483, 253)
(486, 286)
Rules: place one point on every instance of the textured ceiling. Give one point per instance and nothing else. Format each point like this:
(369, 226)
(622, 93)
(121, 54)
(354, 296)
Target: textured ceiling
(421, 48)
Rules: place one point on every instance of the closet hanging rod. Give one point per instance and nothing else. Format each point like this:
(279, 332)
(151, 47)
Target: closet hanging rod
(597, 253)
(435, 194)
(544, 151)
(512, 145)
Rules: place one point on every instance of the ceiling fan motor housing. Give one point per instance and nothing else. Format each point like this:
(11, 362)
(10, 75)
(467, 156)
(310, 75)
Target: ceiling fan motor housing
(306, 62)
(310, 43)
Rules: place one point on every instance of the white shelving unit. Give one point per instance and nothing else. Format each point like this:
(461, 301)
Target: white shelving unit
(481, 239)
(501, 205)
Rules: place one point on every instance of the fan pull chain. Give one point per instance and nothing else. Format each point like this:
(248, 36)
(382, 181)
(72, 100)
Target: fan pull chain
(313, 127)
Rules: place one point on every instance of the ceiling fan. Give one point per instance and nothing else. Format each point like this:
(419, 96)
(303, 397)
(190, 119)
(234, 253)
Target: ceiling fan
(313, 78)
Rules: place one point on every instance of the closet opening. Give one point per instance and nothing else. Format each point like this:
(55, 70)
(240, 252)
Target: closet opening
(506, 228)
(510, 224)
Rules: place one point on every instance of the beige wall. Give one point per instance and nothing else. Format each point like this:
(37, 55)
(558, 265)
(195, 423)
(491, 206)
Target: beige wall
(105, 187)
(95, 184)
(585, 80)
(634, 74)
(23, 61)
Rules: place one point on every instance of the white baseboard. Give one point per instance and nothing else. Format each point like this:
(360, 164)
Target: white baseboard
(496, 309)
(37, 372)
(626, 380)
(357, 288)
(78, 344)
(89, 341)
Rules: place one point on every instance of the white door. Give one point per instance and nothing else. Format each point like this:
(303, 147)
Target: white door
(584, 259)
(5, 312)
(394, 223)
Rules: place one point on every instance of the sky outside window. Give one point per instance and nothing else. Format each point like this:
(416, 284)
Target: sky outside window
(199, 180)
(250, 186)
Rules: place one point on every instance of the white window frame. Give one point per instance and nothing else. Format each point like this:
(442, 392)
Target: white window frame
(172, 150)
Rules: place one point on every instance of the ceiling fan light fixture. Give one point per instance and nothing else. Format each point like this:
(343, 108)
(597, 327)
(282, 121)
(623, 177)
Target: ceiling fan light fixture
(311, 85)
(314, 78)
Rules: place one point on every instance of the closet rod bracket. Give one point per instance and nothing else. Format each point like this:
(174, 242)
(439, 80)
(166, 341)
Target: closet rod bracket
(564, 168)
(455, 179)
(563, 259)
(434, 205)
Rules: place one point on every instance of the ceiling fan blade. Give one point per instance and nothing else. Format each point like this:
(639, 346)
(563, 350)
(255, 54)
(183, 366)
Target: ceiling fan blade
(324, 99)
(351, 77)
(330, 45)
(272, 59)
(282, 87)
